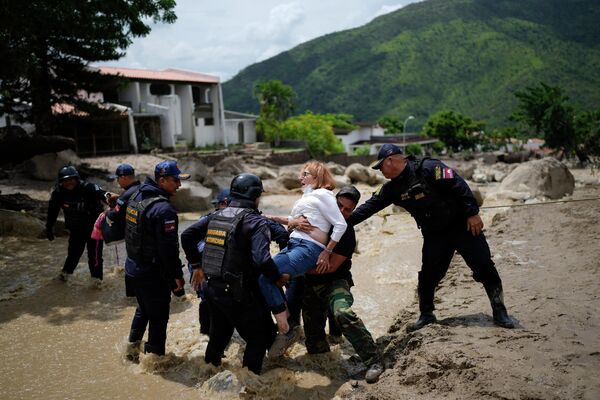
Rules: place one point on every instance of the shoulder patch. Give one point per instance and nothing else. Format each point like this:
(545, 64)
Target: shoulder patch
(448, 173)
(379, 190)
(438, 172)
(170, 226)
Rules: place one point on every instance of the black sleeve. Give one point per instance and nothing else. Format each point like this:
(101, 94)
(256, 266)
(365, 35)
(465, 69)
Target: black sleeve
(191, 237)
(347, 244)
(279, 234)
(261, 253)
(53, 209)
(165, 227)
(446, 180)
(97, 192)
(378, 201)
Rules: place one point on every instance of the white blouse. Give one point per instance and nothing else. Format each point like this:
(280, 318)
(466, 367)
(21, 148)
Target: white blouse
(321, 210)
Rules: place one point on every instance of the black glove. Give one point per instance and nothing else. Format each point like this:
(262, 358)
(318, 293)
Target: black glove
(49, 234)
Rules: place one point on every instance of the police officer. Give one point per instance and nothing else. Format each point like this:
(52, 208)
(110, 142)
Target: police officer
(236, 253)
(153, 263)
(445, 210)
(81, 203)
(115, 217)
(329, 293)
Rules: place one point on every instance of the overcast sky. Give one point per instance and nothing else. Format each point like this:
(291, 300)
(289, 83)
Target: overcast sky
(222, 37)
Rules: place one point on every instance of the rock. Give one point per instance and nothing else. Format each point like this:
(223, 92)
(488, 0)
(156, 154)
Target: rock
(17, 145)
(498, 176)
(229, 166)
(225, 382)
(479, 176)
(490, 158)
(192, 196)
(45, 166)
(465, 171)
(546, 177)
(262, 172)
(515, 157)
(341, 181)
(288, 178)
(478, 195)
(15, 223)
(197, 169)
(336, 169)
(360, 173)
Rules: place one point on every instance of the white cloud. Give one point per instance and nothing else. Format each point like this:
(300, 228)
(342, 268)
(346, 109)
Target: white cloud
(226, 36)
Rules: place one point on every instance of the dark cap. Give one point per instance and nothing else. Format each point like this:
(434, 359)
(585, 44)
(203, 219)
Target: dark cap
(169, 168)
(349, 191)
(386, 150)
(123, 170)
(221, 197)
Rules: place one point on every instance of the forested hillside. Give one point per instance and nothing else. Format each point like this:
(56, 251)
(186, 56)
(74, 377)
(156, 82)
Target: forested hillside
(463, 55)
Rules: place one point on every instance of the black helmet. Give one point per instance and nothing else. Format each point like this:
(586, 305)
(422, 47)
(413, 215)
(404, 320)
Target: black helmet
(67, 172)
(246, 186)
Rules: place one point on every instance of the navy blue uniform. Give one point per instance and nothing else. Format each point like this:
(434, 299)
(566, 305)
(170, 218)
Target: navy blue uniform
(117, 216)
(440, 201)
(154, 279)
(251, 316)
(81, 207)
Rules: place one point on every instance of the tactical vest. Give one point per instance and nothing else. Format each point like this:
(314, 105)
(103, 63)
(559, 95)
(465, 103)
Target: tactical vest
(139, 239)
(431, 209)
(223, 258)
(80, 207)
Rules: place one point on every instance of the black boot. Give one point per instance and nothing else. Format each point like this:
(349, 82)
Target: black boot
(425, 318)
(496, 297)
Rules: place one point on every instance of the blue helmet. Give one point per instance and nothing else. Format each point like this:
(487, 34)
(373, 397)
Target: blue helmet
(67, 172)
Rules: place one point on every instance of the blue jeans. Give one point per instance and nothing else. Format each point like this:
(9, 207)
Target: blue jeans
(298, 257)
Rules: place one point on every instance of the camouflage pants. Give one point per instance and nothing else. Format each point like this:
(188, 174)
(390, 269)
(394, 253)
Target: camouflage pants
(335, 297)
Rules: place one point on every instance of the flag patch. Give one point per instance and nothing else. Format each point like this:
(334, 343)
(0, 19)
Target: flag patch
(169, 226)
(448, 173)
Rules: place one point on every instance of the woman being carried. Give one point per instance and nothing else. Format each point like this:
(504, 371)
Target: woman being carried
(306, 250)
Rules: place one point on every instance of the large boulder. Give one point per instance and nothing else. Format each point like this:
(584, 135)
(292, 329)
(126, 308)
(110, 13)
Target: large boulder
(192, 196)
(15, 223)
(197, 169)
(45, 166)
(262, 172)
(363, 174)
(18, 145)
(336, 169)
(229, 166)
(288, 178)
(546, 177)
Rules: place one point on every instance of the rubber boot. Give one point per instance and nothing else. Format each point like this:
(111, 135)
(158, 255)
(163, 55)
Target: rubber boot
(499, 312)
(426, 307)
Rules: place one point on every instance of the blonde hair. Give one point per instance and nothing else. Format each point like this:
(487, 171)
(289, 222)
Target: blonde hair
(323, 177)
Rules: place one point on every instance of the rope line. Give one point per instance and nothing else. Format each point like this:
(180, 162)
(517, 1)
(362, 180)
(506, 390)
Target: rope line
(541, 203)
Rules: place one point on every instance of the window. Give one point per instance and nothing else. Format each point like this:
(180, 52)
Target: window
(160, 89)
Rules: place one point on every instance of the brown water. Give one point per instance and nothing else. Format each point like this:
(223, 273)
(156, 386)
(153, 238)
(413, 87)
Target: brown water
(66, 341)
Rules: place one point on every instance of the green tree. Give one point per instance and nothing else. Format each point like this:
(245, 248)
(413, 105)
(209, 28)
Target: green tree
(456, 130)
(316, 130)
(414, 149)
(587, 129)
(547, 111)
(392, 125)
(277, 102)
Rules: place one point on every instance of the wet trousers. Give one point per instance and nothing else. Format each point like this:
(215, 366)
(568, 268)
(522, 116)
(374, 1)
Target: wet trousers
(438, 250)
(335, 297)
(154, 298)
(78, 240)
(250, 317)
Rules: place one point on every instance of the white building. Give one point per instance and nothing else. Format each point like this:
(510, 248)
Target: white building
(187, 105)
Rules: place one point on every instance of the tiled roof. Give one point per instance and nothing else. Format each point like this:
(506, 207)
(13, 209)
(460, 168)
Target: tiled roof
(169, 74)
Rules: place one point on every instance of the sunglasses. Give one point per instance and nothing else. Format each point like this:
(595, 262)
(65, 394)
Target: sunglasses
(306, 173)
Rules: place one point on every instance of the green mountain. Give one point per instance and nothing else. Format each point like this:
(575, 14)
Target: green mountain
(463, 55)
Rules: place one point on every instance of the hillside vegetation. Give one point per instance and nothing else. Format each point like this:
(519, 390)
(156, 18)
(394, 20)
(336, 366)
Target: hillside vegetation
(464, 55)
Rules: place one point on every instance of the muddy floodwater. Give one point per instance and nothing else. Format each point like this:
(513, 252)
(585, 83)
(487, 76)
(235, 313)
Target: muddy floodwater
(66, 340)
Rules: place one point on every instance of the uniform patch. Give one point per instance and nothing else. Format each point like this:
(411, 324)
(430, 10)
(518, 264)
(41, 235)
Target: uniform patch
(448, 173)
(438, 173)
(169, 226)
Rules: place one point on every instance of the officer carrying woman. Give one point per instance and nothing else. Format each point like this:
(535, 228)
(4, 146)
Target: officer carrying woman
(236, 253)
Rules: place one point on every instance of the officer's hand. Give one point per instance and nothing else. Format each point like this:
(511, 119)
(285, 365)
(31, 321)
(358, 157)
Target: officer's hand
(301, 223)
(112, 200)
(323, 262)
(474, 225)
(283, 280)
(50, 234)
(197, 278)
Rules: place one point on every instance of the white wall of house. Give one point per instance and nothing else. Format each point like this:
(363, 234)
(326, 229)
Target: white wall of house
(204, 135)
(131, 93)
(240, 131)
(360, 134)
(184, 92)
